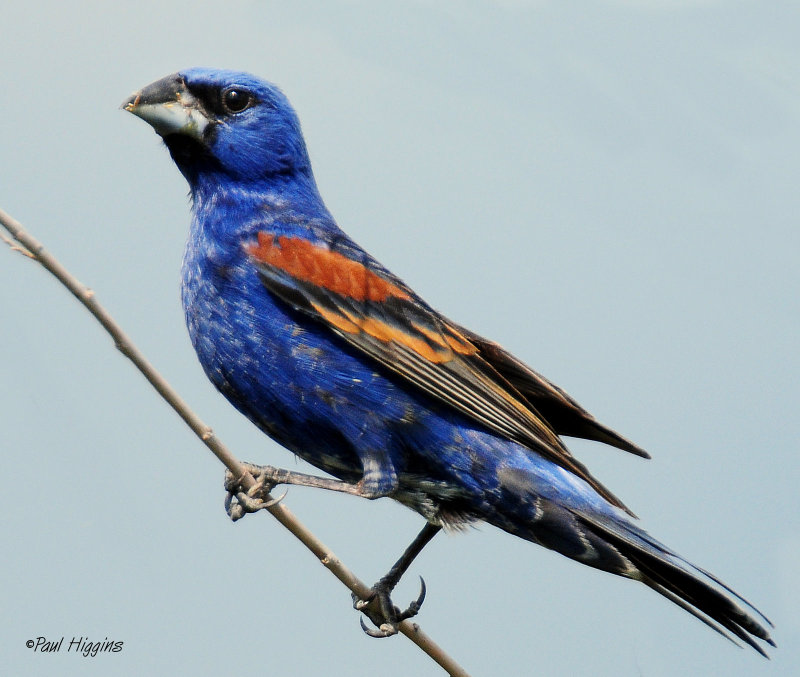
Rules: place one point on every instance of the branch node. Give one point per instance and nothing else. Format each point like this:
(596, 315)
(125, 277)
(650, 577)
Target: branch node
(18, 247)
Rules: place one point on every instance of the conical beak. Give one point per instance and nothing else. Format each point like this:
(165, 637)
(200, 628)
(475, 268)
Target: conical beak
(169, 108)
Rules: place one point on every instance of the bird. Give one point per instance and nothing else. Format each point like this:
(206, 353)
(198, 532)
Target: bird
(338, 360)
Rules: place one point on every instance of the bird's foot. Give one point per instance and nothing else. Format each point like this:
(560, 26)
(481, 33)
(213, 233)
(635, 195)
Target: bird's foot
(239, 503)
(384, 615)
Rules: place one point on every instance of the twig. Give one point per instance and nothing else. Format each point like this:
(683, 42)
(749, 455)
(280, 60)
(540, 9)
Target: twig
(32, 248)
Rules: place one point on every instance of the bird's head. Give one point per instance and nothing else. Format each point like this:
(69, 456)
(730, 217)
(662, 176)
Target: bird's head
(224, 123)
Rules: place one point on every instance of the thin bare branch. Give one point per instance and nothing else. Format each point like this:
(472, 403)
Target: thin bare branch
(32, 248)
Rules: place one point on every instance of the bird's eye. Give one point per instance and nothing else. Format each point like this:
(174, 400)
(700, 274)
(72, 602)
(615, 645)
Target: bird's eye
(236, 100)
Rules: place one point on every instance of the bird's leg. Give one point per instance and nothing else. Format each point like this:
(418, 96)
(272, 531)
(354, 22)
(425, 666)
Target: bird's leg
(239, 503)
(378, 606)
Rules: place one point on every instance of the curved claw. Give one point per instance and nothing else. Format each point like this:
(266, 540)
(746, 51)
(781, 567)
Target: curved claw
(385, 630)
(275, 501)
(422, 592)
(414, 607)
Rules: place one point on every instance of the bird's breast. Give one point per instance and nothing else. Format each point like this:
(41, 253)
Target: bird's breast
(284, 371)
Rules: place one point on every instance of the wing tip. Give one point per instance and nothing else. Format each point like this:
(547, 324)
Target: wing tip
(614, 439)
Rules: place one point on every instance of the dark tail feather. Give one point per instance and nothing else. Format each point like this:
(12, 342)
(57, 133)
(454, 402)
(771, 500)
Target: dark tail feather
(693, 589)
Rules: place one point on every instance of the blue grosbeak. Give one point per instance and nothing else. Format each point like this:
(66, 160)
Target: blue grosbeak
(338, 360)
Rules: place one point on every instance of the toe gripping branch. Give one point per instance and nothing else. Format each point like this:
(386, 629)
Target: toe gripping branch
(386, 617)
(239, 503)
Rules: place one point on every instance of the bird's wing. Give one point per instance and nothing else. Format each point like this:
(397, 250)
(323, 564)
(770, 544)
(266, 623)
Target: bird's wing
(564, 414)
(380, 316)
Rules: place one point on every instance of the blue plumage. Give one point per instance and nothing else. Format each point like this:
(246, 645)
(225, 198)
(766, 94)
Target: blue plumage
(338, 360)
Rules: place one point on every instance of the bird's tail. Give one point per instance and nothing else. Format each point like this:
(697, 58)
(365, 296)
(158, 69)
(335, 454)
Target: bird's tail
(560, 512)
(690, 587)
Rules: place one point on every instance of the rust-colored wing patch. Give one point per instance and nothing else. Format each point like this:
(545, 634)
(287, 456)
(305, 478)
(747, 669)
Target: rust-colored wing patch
(322, 267)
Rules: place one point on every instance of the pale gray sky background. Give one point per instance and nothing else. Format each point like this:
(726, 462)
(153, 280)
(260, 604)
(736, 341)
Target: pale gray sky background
(609, 189)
